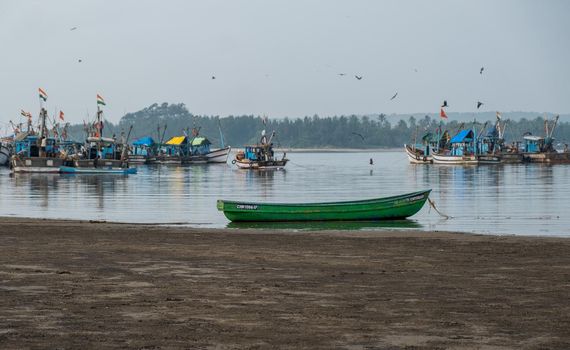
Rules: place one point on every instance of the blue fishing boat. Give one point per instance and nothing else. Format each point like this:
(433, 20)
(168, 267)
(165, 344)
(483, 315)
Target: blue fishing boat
(101, 154)
(462, 150)
(98, 170)
(143, 151)
(37, 152)
(260, 156)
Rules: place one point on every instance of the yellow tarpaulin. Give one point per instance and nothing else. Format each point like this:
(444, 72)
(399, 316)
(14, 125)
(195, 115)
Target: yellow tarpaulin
(176, 140)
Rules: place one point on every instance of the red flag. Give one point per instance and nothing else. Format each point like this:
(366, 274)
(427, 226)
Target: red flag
(442, 114)
(61, 115)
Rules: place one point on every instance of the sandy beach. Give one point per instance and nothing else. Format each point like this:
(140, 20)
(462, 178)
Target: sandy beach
(71, 285)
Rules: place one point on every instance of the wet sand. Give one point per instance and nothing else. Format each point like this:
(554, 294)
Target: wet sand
(72, 285)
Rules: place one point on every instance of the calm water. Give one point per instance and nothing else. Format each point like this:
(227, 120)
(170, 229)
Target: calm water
(504, 199)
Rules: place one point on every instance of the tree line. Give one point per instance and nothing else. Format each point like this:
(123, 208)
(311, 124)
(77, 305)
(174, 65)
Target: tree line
(309, 132)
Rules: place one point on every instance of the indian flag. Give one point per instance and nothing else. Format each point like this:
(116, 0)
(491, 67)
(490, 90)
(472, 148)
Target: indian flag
(100, 100)
(43, 94)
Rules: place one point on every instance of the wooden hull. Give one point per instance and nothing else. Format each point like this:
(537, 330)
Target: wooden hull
(417, 157)
(138, 159)
(36, 164)
(219, 156)
(168, 160)
(548, 158)
(455, 160)
(512, 158)
(389, 208)
(99, 163)
(488, 159)
(261, 165)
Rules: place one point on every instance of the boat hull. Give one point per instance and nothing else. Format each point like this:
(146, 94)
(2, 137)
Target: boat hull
(417, 157)
(455, 160)
(548, 157)
(261, 165)
(36, 164)
(114, 171)
(219, 156)
(389, 208)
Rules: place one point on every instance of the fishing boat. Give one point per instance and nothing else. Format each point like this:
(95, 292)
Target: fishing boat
(198, 150)
(143, 151)
(388, 208)
(172, 152)
(37, 152)
(538, 149)
(422, 153)
(5, 152)
(260, 156)
(101, 154)
(462, 150)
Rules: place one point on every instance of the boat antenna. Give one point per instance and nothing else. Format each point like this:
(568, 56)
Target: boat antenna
(163, 134)
(126, 144)
(554, 125)
(222, 144)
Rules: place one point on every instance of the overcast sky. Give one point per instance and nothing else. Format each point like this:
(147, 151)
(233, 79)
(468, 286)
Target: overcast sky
(282, 58)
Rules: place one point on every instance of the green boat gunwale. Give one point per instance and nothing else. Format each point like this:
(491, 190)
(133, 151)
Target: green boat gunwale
(319, 204)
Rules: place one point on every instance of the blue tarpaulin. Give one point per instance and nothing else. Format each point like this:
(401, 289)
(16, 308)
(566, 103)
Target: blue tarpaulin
(144, 141)
(463, 136)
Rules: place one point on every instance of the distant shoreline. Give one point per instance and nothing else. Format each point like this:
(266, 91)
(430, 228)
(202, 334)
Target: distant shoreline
(335, 150)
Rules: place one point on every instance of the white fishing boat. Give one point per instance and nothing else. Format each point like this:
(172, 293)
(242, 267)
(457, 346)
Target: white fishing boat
(260, 156)
(417, 156)
(5, 153)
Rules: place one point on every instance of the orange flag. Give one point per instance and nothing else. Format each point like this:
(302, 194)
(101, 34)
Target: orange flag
(442, 114)
(61, 115)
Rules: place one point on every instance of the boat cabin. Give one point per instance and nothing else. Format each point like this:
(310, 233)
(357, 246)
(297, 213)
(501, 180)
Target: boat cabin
(462, 144)
(490, 142)
(537, 144)
(200, 146)
(30, 146)
(145, 146)
(176, 146)
(102, 148)
(258, 152)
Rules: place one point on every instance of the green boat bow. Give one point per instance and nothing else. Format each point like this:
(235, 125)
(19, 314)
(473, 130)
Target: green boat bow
(388, 208)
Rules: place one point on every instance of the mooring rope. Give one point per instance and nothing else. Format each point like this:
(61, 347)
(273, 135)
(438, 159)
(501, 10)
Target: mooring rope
(432, 205)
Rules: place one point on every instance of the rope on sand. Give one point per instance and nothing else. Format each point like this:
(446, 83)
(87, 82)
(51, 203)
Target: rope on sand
(432, 205)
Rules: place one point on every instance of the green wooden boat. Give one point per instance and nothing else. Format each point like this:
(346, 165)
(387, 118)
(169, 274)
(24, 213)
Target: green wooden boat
(388, 208)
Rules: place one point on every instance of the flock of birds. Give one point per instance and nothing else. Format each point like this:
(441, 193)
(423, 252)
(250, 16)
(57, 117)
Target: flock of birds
(357, 77)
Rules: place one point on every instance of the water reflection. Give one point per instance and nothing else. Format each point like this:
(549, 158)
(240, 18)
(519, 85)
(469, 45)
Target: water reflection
(512, 199)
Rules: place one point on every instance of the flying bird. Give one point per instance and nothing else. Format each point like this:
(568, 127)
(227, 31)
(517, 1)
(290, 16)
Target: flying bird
(482, 69)
(73, 28)
(342, 74)
(479, 104)
(80, 60)
(393, 97)
(415, 70)
(358, 77)
(357, 134)
(213, 77)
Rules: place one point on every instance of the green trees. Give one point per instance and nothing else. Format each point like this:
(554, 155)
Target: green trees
(352, 131)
